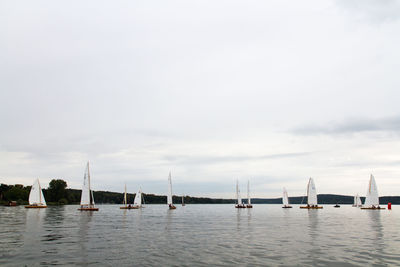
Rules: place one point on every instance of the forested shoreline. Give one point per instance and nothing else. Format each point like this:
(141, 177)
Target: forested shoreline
(58, 194)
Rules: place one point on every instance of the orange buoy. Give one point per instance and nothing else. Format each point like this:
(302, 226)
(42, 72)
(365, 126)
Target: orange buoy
(389, 206)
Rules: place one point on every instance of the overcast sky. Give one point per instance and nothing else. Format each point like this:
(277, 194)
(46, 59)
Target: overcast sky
(213, 91)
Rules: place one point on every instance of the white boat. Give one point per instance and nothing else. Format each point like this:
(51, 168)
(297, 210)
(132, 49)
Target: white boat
(87, 200)
(36, 198)
(312, 201)
(357, 201)
(285, 200)
(372, 198)
(169, 196)
(248, 196)
(239, 204)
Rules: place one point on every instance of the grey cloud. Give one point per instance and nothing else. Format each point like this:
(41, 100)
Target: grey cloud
(377, 11)
(368, 163)
(187, 159)
(352, 126)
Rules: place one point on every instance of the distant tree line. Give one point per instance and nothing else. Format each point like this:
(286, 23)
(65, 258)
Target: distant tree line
(58, 194)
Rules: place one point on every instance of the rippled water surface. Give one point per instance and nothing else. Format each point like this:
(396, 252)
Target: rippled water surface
(195, 235)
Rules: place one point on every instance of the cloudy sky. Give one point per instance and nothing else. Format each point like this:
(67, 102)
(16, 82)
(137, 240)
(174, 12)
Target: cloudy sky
(213, 91)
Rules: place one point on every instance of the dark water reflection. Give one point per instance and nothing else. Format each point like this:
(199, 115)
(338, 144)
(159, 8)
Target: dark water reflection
(199, 235)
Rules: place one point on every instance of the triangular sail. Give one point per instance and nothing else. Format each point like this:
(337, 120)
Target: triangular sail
(285, 198)
(169, 196)
(359, 203)
(87, 194)
(36, 195)
(311, 193)
(248, 193)
(138, 198)
(239, 199)
(372, 198)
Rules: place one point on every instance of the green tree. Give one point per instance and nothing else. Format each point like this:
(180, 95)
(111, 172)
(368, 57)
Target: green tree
(56, 190)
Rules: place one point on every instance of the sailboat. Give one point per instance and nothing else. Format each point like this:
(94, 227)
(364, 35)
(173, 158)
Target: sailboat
(239, 204)
(372, 198)
(248, 196)
(169, 196)
(357, 201)
(126, 205)
(87, 200)
(137, 203)
(285, 200)
(36, 198)
(312, 202)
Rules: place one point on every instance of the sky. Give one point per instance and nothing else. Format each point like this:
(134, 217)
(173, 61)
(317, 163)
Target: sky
(273, 92)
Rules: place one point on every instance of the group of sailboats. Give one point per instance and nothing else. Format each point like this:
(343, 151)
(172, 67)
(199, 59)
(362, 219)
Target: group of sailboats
(240, 204)
(37, 200)
(371, 200)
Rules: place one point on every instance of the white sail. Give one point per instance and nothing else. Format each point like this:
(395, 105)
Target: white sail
(169, 196)
(311, 193)
(87, 195)
(285, 198)
(359, 203)
(372, 198)
(36, 195)
(248, 193)
(138, 198)
(125, 202)
(239, 199)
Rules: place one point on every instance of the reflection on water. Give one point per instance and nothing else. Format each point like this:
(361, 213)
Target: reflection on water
(198, 235)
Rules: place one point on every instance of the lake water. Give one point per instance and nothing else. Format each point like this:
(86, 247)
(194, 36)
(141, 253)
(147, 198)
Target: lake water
(197, 235)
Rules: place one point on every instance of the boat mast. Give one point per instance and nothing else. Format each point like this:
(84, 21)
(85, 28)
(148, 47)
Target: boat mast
(125, 196)
(308, 190)
(248, 193)
(237, 191)
(40, 191)
(90, 191)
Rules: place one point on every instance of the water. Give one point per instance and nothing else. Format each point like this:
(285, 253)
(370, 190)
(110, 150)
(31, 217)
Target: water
(196, 235)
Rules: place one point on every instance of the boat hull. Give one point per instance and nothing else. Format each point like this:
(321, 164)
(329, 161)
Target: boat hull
(89, 209)
(240, 206)
(34, 207)
(249, 206)
(172, 207)
(373, 208)
(286, 207)
(130, 208)
(312, 208)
